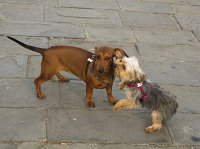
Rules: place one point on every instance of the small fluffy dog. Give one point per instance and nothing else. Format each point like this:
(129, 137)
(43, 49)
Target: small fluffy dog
(139, 91)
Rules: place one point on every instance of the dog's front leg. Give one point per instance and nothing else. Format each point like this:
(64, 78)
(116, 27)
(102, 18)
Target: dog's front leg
(129, 103)
(129, 94)
(89, 93)
(109, 94)
(122, 85)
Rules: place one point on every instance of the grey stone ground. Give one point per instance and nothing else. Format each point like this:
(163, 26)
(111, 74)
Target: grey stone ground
(163, 34)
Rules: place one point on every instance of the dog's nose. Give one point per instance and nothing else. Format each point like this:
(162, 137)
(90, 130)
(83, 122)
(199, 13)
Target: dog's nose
(100, 70)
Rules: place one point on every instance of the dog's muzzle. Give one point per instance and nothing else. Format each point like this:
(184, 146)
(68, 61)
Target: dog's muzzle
(100, 70)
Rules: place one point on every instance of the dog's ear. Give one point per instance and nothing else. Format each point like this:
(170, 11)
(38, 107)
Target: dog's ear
(95, 48)
(139, 75)
(119, 53)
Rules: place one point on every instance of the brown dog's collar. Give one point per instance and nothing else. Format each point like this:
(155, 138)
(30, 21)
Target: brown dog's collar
(90, 67)
(91, 59)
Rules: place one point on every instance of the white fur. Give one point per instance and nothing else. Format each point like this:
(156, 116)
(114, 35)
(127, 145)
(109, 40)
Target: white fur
(132, 65)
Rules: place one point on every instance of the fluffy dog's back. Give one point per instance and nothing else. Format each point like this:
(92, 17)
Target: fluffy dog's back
(160, 100)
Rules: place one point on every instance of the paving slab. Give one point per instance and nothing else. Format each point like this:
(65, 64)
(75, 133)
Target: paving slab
(170, 1)
(129, 48)
(186, 129)
(128, 146)
(101, 126)
(197, 34)
(103, 4)
(172, 73)
(73, 95)
(7, 146)
(33, 2)
(145, 6)
(39, 145)
(100, 33)
(13, 66)
(82, 16)
(168, 53)
(187, 97)
(195, 2)
(189, 22)
(22, 93)
(36, 145)
(33, 145)
(9, 47)
(196, 147)
(167, 37)
(42, 29)
(24, 124)
(13, 12)
(186, 9)
(142, 19)
(80, 146)
(34, 66)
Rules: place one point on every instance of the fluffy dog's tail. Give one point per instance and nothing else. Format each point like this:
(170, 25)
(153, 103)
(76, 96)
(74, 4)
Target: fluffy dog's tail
(161, 100)
(124, 103)
(32, 48)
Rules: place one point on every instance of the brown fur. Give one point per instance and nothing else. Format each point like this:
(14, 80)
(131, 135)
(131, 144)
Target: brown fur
(74, 60)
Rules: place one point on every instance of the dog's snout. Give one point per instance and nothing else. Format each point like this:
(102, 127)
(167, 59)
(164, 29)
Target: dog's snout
(100, 69)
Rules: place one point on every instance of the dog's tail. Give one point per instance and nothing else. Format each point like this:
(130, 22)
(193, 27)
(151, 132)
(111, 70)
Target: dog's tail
(161, 100)
(36, 49)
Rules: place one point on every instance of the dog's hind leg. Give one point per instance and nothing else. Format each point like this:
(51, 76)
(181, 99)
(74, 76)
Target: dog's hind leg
(47, 72)
(157, 122)
(62, 78)
(130, 103)
(38, 82)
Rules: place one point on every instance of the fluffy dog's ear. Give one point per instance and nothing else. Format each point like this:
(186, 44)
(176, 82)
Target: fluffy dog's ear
(119, 53)
(139, 75)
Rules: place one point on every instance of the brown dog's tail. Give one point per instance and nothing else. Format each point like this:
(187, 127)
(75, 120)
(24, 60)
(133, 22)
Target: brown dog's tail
(36, 49)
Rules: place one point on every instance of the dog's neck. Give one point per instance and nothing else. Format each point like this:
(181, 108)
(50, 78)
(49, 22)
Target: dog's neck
(94, 72)
(134, 81)
(140, 85)
(131, 81)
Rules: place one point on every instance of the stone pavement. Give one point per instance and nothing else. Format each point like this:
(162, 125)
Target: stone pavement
(163, 34)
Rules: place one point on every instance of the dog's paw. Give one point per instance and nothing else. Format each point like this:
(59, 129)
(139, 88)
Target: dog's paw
(113, 101)
(63, 79)
(41, 96)
(152, 128)
(91, 104)
(149, 129)
(117, 107)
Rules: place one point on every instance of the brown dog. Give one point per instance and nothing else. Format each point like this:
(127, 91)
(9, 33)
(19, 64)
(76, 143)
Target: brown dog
(96, 70)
